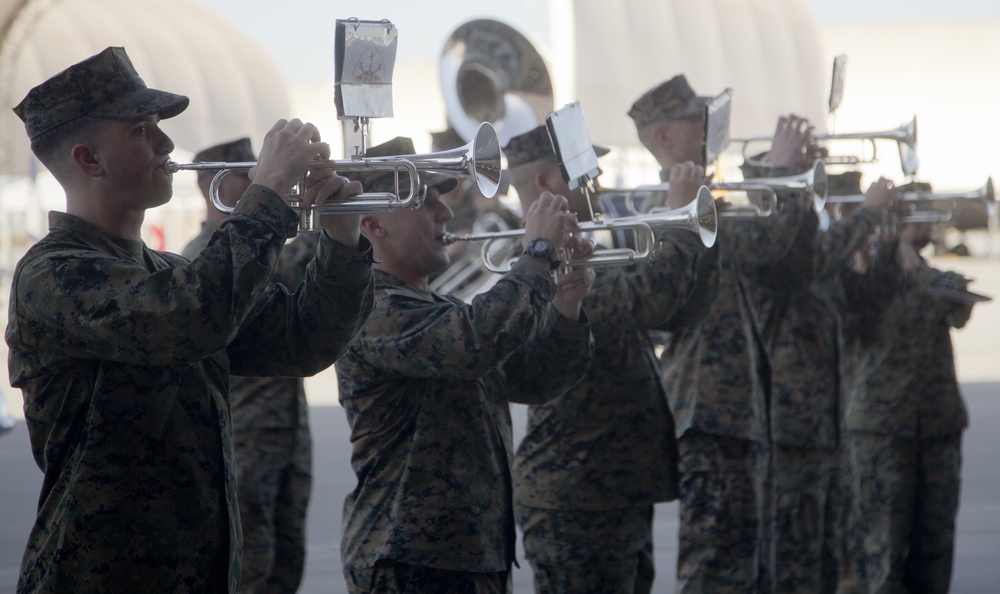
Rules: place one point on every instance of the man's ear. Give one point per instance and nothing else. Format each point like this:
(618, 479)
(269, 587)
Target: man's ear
(84, 157)
(661, 134)
(541, 181)
(371, 227)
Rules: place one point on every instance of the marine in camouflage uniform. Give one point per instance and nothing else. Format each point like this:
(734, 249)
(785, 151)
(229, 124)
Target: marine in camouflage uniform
(863, 292)
(123, 353)
(803, 327)
(595, 460)
(905, 420)
(426, 389)
(716, 367)
(272, 444)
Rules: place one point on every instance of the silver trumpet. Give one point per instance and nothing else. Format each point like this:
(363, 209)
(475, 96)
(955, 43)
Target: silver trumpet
(813, 182)
(479, 159)
(905, 137)
(944, 204)
(699, 216)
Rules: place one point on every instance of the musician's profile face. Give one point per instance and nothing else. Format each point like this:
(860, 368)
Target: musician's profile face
(687, 139)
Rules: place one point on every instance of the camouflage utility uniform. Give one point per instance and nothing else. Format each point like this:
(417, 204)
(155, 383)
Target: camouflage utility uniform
(123, 355)
(716, 369)
(426, 389)
(272, 447)
(802, 324)
(596, 459)
(905, 419)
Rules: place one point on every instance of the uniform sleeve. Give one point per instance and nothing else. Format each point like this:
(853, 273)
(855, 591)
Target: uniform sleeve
(100, 306)
(647, 295)
(554, 362)
(414, 338)
(764, 240)
(872, 293)
(955, 313)
(303, 332)
(843, 239)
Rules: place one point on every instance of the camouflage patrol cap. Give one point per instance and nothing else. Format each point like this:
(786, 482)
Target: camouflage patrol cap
(385, 181)
(446, 139)
(534, 145)
(104, 86)
(234, 151)
(671, 100)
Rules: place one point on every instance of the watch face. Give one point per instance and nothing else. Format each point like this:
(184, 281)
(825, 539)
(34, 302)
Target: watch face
(542, 248)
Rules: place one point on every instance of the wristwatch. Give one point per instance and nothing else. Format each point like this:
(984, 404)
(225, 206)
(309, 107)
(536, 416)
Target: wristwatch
(540, 247)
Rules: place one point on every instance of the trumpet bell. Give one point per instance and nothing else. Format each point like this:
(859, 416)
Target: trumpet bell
(480, 159)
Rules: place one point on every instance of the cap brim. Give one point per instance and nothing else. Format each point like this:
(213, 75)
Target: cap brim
(143, 103)
(600, 151)
(442, 183)
(385, 182)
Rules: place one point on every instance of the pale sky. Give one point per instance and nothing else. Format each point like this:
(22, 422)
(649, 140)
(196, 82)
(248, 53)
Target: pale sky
(292, 30)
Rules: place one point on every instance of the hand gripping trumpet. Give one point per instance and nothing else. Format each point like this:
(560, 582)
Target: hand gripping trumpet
(930, 207)
(699, 216)
(480, 159)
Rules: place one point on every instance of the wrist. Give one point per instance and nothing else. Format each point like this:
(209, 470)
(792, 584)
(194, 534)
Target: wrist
(543, 249)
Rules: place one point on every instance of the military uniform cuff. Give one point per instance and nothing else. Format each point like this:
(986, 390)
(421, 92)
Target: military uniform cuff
(348, 266)
(265, 205)
(535, 273)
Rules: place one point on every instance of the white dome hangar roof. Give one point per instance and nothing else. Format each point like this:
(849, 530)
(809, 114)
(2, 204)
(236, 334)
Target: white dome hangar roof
(178, 46)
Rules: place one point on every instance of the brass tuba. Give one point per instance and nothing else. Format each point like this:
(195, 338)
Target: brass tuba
(491, 73)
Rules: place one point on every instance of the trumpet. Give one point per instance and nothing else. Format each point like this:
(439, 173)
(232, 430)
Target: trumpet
(479, 159)
(984, 193)
(905, 137)
(699, 216)
(813, 182)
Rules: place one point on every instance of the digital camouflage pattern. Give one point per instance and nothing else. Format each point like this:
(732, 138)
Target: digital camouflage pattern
(905, 383)
(859, 297)
(717, 372)
(608, 443)
(902, 524)
(272, 444)
(388, 577)
(103, 86)
(426, 388)
(802, 326)
(123, 355)
(274, 479)
(905, 418)
(721, 513)
(803, 329)
(670, 100)
(715, 363)
(575, 551)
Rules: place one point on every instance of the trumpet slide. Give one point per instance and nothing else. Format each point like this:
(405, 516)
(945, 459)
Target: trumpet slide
(479, 159)
(813, 182)
(943, 209)
(699, 216)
